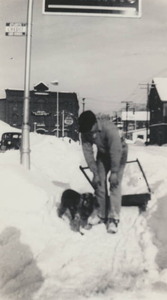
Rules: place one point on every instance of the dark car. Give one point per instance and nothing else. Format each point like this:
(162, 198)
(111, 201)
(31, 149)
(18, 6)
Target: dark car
(10, 140)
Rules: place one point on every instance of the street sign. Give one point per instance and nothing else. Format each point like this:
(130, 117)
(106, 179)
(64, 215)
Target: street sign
(109, 8)
(15, 29)
(68, 121)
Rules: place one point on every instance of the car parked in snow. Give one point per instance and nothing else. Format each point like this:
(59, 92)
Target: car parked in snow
(10, 140)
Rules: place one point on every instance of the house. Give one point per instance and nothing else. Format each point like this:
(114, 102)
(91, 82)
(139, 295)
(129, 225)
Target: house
(43, 110)
(141, 133)
(135, 124)
(157, 103)
(135, 119)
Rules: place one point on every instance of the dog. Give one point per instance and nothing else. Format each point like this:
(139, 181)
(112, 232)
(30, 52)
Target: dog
(80, 206)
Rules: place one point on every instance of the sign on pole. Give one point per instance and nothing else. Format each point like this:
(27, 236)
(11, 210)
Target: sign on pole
(68, 121)
(15, 29)
(112, 8)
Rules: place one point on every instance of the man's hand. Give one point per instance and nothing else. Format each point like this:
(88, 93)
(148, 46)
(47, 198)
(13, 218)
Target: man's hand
(113, 181)
(96, 181)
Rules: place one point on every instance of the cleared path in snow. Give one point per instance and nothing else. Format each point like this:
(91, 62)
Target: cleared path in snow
(72, 266)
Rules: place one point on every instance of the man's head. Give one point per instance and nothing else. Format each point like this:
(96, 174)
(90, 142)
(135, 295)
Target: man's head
(86, 121)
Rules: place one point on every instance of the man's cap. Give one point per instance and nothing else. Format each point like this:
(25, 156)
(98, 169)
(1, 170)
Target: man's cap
(86, 121)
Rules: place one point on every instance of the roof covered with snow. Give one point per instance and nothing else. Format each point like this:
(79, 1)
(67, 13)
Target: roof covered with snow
(161, 87)
(41, 86)
(136, 116)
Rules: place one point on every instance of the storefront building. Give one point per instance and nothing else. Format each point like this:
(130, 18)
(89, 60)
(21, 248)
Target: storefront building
(52, 113)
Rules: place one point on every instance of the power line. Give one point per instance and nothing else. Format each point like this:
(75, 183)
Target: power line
(155, 75)
(101, 99)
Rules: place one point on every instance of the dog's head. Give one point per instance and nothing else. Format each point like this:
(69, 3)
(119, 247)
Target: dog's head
(88, 202)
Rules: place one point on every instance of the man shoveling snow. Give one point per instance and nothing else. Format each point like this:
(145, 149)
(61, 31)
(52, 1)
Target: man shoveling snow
(111, 156)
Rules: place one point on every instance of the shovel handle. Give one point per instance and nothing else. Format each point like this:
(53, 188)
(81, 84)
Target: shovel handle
(143, 175)
(87, 177)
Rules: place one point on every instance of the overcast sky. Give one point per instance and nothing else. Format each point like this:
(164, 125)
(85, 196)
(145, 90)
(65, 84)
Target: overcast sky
(102, 59)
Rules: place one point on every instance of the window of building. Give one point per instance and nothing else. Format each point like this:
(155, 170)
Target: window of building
(40, 120)
(165, 112)
(14, 119)
(41, 104)
(140, 136)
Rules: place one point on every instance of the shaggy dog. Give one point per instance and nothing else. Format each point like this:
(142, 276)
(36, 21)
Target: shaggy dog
(80, 207)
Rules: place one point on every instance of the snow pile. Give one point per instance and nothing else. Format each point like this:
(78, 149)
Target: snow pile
(7, 128)
(41, 258)
(140, 142)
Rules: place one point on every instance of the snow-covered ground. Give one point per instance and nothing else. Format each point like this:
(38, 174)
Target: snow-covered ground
(41, 258)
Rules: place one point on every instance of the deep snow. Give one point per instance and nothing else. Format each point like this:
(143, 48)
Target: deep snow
(41, 258)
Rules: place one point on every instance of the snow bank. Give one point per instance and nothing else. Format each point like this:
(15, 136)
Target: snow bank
(4, 127)
(41, 258)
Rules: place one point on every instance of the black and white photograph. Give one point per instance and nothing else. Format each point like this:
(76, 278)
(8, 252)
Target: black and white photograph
(83, 149)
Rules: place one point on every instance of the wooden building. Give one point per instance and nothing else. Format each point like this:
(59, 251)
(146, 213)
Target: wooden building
(43, 111)
(133, 119)
(157, 103)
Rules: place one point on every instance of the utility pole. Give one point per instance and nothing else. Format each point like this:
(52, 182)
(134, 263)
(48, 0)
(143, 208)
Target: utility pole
(25, 147)
(147, 87)
(63, 124)
(127, 109)
(116, 118)
(83, 103)
(134, 110)
(57, 114)
(55, 82)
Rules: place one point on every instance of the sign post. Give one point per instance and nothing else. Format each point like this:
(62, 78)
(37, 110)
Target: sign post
(19, 29)
(25, 148)
(109, 8)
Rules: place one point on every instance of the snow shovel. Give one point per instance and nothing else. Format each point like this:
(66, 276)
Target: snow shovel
(140, 194)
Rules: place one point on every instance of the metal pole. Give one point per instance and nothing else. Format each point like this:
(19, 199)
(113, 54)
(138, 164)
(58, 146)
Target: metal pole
(25, 148)
(127, 106)
(63, 123)
(116, 118)
(57, 114)
(35, 126)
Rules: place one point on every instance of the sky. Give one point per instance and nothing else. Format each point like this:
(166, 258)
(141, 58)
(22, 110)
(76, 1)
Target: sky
(41, 258)
(103, 59)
